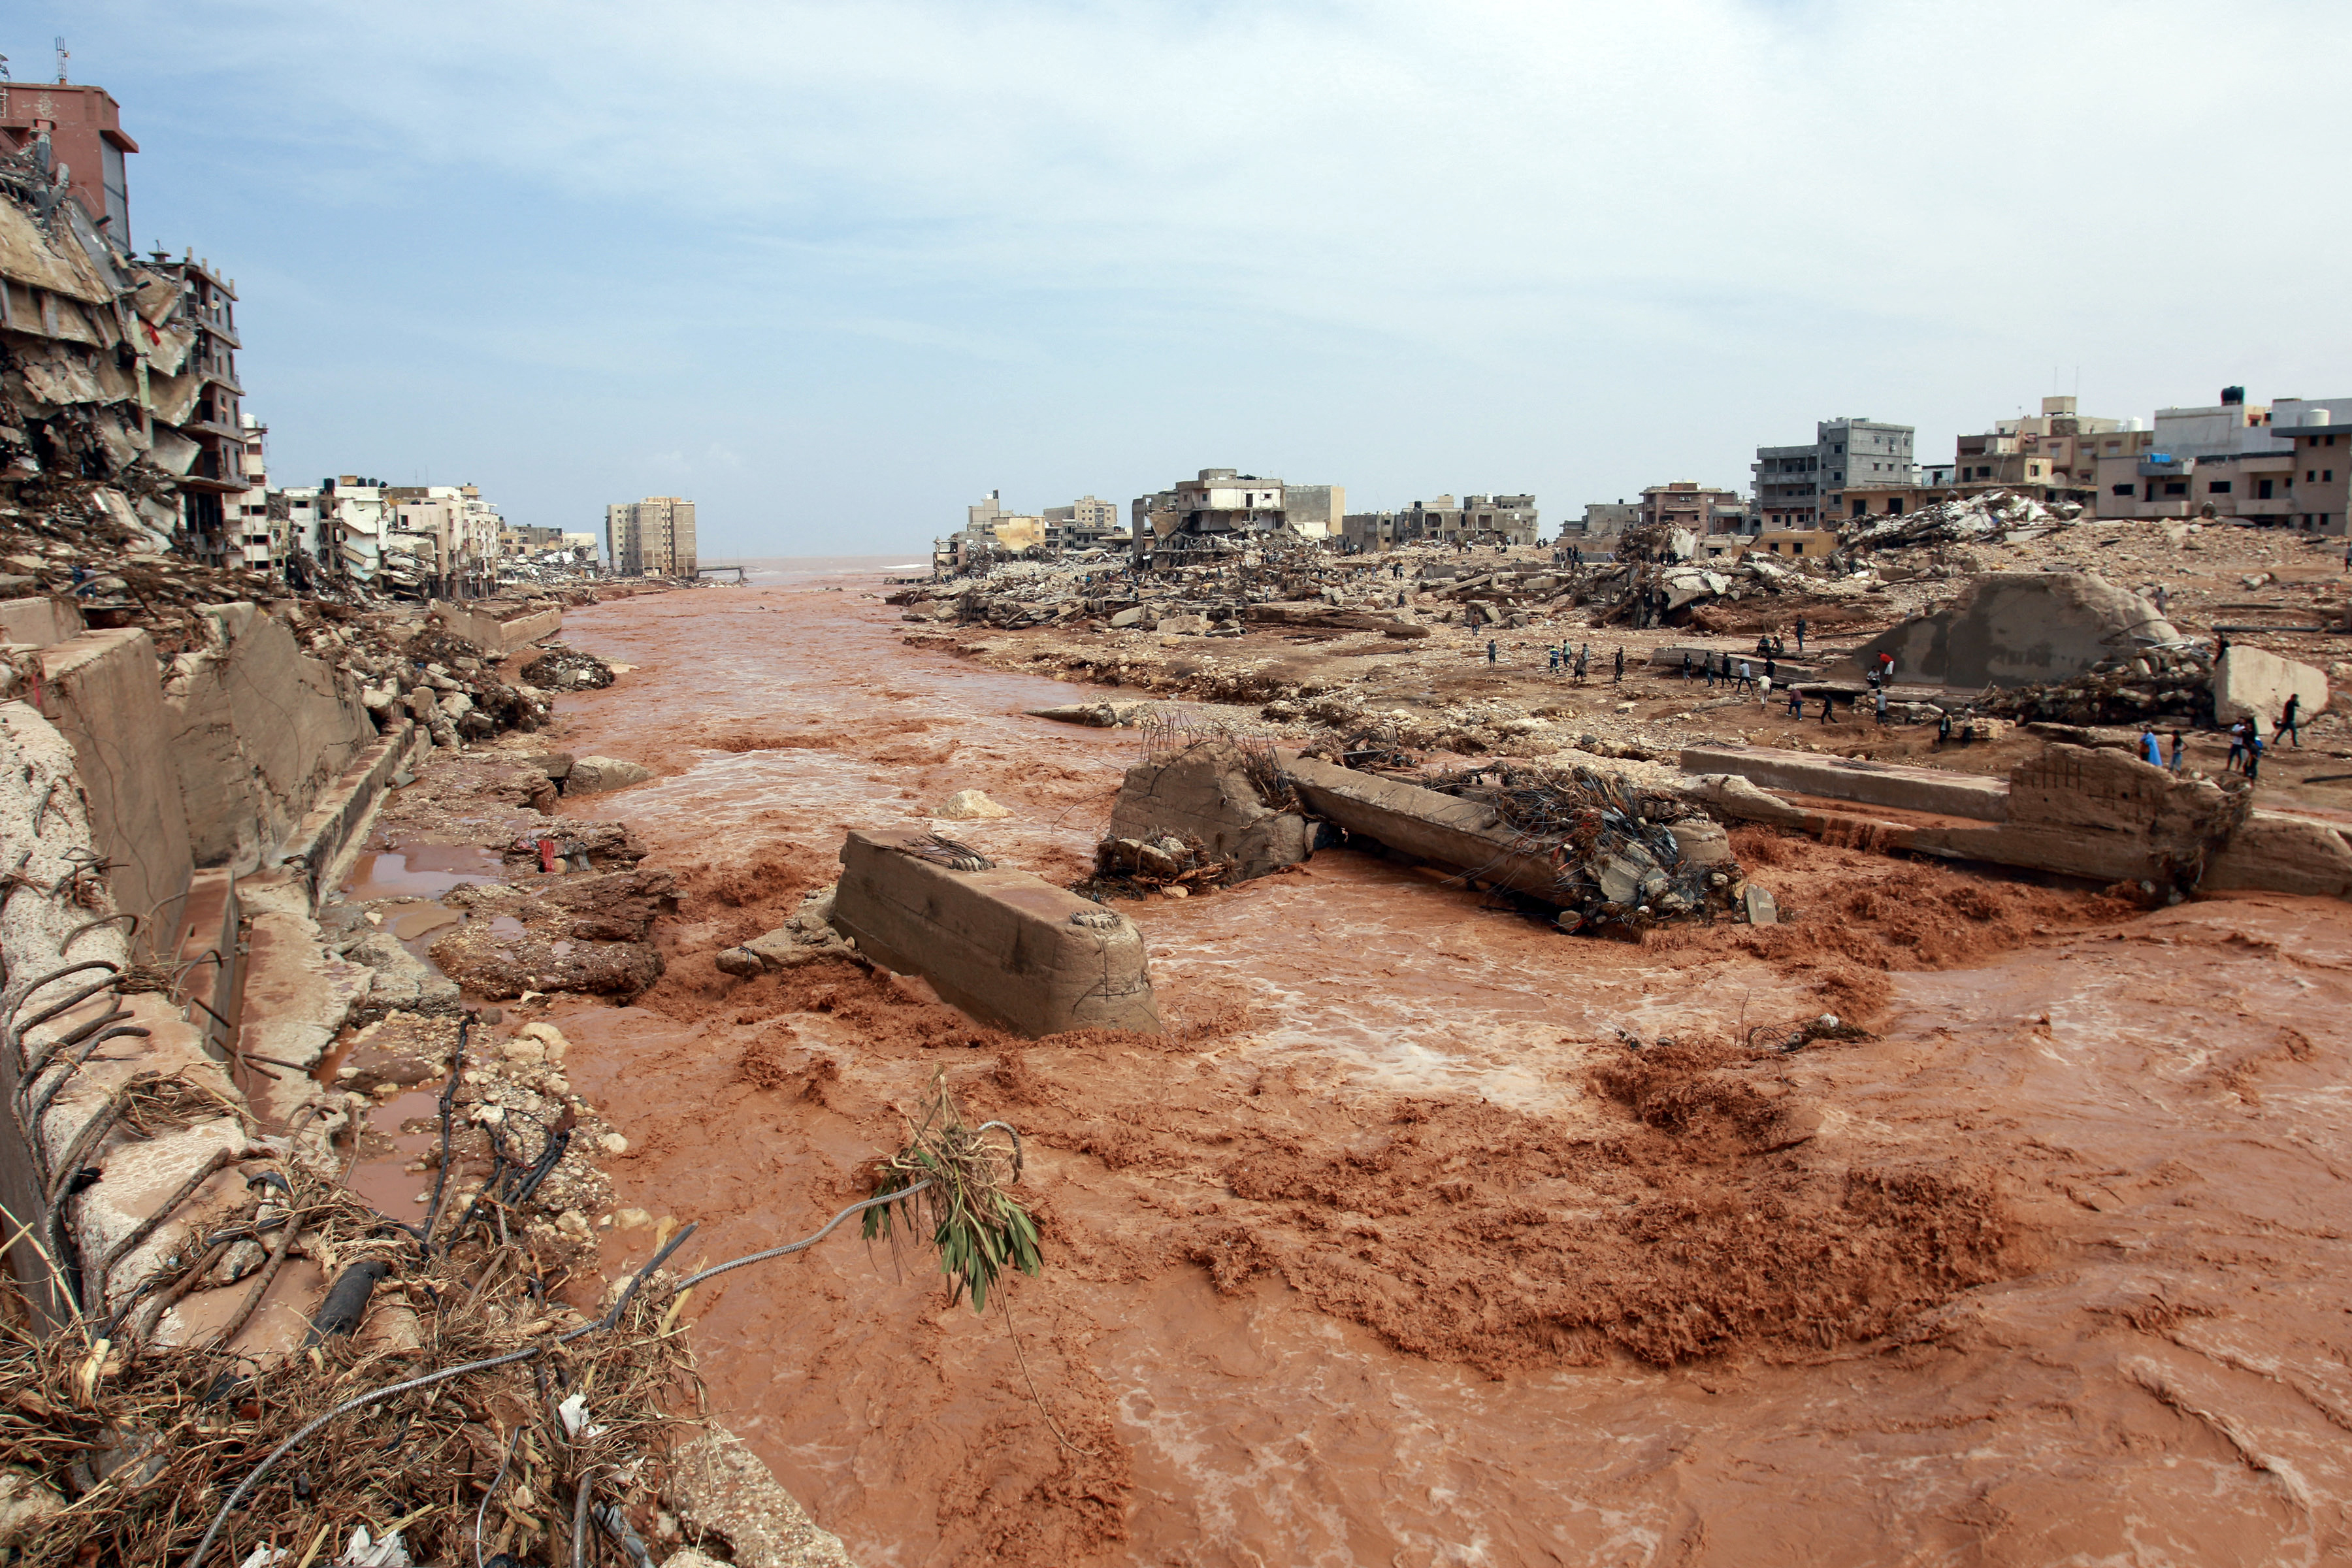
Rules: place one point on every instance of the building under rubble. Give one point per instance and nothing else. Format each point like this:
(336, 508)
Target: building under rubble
(117, 370)
(1222, 508)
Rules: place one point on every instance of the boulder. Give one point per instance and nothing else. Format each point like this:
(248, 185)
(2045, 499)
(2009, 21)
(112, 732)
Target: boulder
(1133, 615)
(1183, 626)
(1763, 910)
(966, 805)
(2249, 683)
(2020, 629)
(591, 776)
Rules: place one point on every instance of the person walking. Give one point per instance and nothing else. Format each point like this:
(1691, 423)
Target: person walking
(1580, 658)
(2151, 749)
(1880, 692)
(2290, 722)
(1746, 681)
(2180, 747)
(1800, 634)
(1709, 660)
(1943, 728)
(1829, 704)
(1618, 678)
(1551, 656)
(2254, 753)
(1490, 650)
(2237, 747)
(1795, 703)
(1686, 665)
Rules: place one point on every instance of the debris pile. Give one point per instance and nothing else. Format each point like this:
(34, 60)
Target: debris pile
(1625, 857)
(1982, 518)
(2181, 694)
(1173, 865)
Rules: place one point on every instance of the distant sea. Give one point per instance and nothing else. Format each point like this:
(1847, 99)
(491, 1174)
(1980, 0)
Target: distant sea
(804, 568)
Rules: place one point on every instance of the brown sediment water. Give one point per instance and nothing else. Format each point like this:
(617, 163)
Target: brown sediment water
(1394, 1251)
(418, 871)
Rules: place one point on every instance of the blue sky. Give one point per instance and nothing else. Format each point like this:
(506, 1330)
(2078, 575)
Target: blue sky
(836, 269)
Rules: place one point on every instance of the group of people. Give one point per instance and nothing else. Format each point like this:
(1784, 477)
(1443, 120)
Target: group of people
(1562, 660)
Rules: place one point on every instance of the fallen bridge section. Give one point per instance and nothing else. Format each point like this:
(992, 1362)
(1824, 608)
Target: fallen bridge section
(1425, 824)
(1009, 948)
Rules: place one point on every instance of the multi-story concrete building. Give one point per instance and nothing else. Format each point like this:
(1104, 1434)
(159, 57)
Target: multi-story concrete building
(1218, 505)
(205, 396)
(651, 538)
(1800, 487)
(1686, 503)
(2321, 432)
(2230, 457)
(1474, 519)
(1316, 511)
(464, 530)
(84, 126)
(257, 533)
(1087, 522)
(1602, 520)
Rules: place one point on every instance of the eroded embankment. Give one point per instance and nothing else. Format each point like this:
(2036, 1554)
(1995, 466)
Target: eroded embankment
(1394, 1250)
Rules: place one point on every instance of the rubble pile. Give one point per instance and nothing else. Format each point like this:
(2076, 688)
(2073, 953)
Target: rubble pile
(1990, 517)
(2181, 695)
(1173, 865)
(563, 668)
(1625, 857)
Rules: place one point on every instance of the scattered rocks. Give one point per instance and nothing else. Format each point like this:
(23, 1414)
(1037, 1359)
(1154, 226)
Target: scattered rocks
(967, 804)
(591, 776)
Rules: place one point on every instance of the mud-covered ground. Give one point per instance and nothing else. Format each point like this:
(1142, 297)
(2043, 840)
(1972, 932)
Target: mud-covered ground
(1431, 1236)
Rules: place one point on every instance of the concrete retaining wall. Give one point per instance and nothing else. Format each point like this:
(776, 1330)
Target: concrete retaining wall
(260, 729)
(1009, 948)
(498, 625)
(38, 622)
(323, 843)
(101, 691)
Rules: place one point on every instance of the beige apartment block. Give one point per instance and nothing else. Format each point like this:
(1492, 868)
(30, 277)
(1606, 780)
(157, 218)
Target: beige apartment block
(651, 538)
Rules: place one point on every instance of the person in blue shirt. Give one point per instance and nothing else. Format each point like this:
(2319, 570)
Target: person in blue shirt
(2180, 745)
(2151, 749)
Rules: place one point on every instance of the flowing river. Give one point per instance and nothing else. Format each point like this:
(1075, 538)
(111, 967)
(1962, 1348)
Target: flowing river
(1273, 1330)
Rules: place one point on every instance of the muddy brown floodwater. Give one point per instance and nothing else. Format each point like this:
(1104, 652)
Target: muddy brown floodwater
(1394, 1252)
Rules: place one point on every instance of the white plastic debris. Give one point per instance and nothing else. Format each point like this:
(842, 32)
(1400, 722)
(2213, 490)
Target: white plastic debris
(365, 1553)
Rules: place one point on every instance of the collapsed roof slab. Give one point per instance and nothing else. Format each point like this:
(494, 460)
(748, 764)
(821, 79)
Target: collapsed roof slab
(2022, 628)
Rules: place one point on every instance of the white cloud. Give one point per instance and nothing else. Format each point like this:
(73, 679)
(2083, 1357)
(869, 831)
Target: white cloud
(1563, 214)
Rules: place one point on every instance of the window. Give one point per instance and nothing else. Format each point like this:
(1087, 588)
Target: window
(2262, 489)
(2328, 475)
(2176, 487)
(2217, 487)
(2122, 490)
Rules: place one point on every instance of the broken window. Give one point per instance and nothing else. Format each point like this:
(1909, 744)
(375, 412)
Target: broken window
(2263, 490)
(2217, 487)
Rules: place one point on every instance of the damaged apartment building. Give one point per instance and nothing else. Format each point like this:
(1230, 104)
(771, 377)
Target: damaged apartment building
(1223, 508)
(1473, 519)
(117, 370)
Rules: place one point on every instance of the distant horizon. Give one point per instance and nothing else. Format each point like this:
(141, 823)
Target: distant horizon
(835, 273)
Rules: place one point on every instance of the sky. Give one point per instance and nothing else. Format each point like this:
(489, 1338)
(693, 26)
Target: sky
(834, 271)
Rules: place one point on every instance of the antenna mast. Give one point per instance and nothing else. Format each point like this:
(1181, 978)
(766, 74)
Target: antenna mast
(63, 55)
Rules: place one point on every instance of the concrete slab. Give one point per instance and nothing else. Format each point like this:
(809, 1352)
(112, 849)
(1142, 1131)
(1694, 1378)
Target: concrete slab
(2019, 629)
(1204, 790)
(1007, 947)
(2250, 683)
(1421, 821)
(328, 835)
(2284, 852)
(1849, 778)
(500, 627)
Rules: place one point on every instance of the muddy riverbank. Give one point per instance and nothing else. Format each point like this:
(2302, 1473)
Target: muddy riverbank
(1395, 1250)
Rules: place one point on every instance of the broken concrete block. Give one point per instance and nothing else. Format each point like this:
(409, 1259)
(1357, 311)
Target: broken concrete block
(2249, 683)
(1862, 781)
(1763, 910)
(966, 805)
(1133, 615)
(1205, 791)
(2019, 629)
(2281, 852)
(1008, 948)
(1183, 626)
(589, 775)
(1702, 842)
(1100, 715)
(38, 622)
